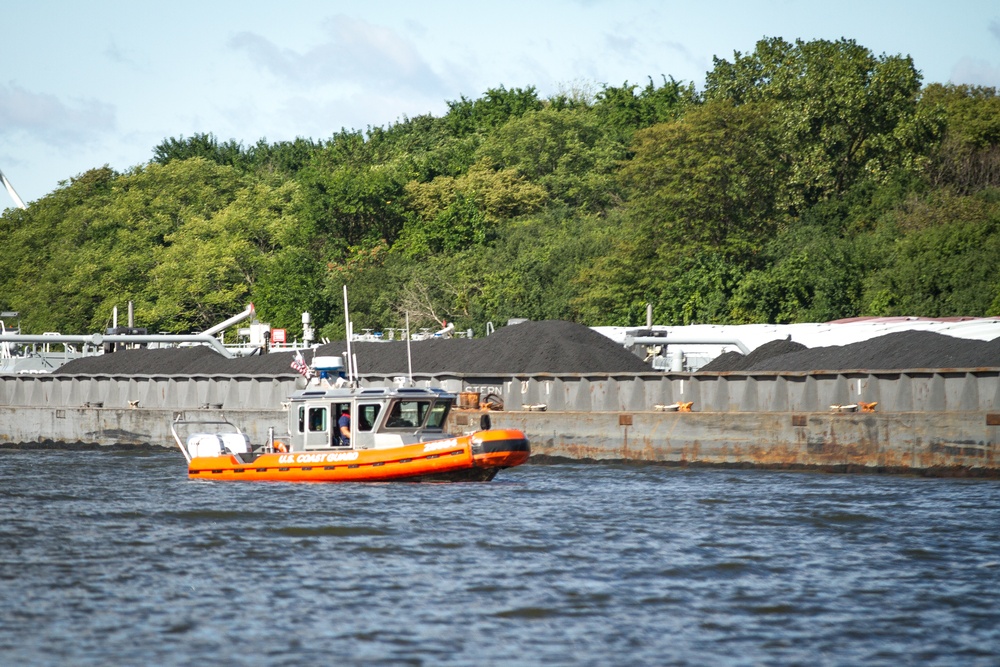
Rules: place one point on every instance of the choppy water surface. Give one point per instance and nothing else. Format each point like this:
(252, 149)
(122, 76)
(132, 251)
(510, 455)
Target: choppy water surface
(119, 559)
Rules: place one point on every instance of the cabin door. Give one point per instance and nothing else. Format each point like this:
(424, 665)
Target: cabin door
(317, 426)
(364, 423)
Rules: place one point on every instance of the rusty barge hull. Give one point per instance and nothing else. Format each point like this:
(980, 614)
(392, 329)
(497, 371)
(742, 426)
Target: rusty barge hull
(938, 420)
(963, 444)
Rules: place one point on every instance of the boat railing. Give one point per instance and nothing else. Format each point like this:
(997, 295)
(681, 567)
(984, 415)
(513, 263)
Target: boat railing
(277, 443)
(179, 420)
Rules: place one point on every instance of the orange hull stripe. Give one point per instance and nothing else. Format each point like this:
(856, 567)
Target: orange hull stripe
(268, 467)
(441, 456)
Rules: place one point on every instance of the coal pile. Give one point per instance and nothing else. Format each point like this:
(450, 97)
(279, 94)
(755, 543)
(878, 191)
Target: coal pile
(174, 361)
(896, 351)
(550, 346)
(553, 347)
(734, 361)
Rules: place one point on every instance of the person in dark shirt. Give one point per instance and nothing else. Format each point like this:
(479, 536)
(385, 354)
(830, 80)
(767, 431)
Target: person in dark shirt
(344, 427)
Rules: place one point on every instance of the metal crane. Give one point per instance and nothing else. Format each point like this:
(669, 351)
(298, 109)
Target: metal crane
(12, 192)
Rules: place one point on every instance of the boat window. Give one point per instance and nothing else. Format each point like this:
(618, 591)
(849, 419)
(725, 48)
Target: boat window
(367, 415)
(438, 414)
(407, 414)
(317, 419)
(302, 419)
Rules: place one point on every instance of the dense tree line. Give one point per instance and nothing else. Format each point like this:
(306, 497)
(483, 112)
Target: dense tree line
(807, 181)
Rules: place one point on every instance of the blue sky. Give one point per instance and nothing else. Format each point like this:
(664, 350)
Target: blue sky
(88, 84)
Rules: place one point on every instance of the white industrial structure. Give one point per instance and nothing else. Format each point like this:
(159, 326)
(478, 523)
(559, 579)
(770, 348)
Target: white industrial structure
(10, 190)
(688, 348)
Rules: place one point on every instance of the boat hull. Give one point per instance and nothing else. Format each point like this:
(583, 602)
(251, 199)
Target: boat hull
(475, 457)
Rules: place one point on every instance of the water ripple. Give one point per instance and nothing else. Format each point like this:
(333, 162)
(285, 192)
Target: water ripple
(118, 558)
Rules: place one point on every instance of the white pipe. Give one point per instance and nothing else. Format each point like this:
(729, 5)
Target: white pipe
(696, 339)
(249, 312)
(13, 195)
(99, 339)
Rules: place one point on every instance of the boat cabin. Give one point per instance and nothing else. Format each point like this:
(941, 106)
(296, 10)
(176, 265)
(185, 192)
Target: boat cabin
(380, 418)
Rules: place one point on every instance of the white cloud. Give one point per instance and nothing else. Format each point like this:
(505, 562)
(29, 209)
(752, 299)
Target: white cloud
(416, 28)
(995, 29)
(978, 71)
(623, 46)
(46, 118)
(357, 52)
(115, 54)
(975, 72)
(698, 63)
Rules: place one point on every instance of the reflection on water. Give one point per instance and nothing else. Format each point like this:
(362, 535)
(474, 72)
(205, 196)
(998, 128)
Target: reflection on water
(118, 559)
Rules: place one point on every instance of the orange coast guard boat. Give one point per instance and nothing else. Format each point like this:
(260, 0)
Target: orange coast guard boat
(396, 434)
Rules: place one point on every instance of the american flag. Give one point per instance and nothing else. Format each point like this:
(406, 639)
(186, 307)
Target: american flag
(299, 364)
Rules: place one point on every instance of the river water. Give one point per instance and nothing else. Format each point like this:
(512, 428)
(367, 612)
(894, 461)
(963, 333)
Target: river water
(114, 558)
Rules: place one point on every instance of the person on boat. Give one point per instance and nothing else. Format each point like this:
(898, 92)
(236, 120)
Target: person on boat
(344, 424)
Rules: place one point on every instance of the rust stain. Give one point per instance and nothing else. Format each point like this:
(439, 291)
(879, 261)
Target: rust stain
(880, 441)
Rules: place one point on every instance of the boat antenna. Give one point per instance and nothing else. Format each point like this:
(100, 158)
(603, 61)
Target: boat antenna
(347, 330)
(351, 365)
(409, 357)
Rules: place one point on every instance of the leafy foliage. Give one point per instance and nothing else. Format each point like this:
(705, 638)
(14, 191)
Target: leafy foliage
(621, 111)
(808, 181)
(845, 114)
(491, 111)
(945, 260)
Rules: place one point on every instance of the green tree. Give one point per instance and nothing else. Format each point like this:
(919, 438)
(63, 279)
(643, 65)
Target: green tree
(493, 109)
(449, 214)
(709, 179)
(845, 113)
(209, 267)
(968, 157)
(352, 205)
(945, 260)
(284, 157)
(621, 111)
(566, 152)
(427, 146)
(701, 202)
(204, 145)
(50, 237)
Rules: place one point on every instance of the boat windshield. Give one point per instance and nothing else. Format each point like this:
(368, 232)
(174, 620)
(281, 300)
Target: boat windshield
(407, 414)
(438, 414)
